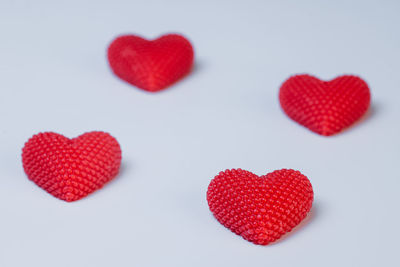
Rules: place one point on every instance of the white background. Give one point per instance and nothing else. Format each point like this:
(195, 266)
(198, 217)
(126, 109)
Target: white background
(54, 76)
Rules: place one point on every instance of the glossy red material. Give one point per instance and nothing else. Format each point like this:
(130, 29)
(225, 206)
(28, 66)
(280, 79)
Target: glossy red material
(260, 208)
(151, 65)
(70, 169)
(325, 107)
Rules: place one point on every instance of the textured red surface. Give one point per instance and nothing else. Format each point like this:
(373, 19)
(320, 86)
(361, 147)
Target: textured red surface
(151, 65)
(325, 107)
(260, 208)
(70, 169)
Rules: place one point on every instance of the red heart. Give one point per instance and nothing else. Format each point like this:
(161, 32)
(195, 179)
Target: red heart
(325, 107)
(70, 169)
(151, 65)
(260, 208)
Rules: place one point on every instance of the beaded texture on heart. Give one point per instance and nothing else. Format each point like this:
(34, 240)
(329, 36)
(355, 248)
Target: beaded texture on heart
(260, 208)
(70, 169)
(325, 107)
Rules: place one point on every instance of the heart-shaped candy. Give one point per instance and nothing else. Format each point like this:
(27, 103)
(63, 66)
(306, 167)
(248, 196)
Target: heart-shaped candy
(260, 208)
(151, 65)
(325, 107)
(70, 169)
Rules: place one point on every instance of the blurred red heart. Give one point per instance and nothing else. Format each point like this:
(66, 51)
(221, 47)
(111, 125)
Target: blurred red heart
(151, 65)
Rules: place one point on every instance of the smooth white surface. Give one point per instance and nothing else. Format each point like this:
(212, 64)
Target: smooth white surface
(54, 77)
